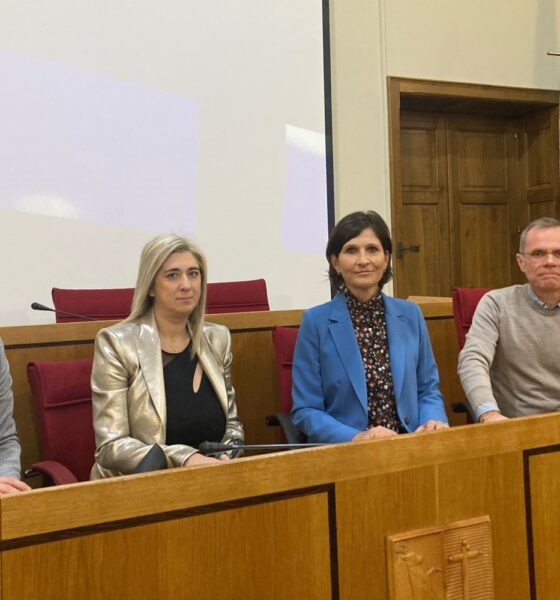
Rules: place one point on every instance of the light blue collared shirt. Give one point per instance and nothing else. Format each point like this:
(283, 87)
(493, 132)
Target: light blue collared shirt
(536, 300)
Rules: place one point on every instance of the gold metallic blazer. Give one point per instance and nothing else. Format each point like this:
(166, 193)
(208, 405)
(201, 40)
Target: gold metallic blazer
(129, 407)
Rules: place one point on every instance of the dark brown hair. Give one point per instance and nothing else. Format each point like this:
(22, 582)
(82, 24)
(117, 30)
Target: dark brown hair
(351, 226)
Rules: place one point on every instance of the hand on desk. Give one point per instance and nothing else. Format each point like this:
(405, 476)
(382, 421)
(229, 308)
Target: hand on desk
(374, 433)
(492, 416)
(199, 459)
(11, 484)
(432, 425)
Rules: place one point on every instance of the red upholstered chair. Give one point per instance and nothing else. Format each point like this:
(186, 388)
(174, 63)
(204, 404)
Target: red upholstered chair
(62, 393)
(465, 301)
(237, 296)
(284, 340)
(101, 304)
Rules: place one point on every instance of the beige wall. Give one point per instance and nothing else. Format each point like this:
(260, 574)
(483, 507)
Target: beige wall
(501, 42)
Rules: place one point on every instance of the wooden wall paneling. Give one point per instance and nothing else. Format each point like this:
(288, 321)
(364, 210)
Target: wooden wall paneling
(491, 485)
(80, 505)
(256, 385)
(281, 503)
(395, 502)
(542, 468)
(446, 351)
(275, 550)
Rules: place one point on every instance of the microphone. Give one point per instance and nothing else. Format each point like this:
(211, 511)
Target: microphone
(38, 306)
(210, 448)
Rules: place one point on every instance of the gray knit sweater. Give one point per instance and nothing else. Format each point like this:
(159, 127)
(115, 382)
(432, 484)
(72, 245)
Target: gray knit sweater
(512, 355)
(9, 443)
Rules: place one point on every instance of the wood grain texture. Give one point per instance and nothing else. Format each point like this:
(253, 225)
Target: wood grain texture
(396, 502)
(276, 550)
(170, 530)
(128, 497)
(420, 205)
(493, 486)
(470, 166)
(545, 509)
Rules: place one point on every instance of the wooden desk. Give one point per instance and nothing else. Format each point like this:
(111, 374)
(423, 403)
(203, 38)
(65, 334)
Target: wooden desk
(254, 369)
(309, 524)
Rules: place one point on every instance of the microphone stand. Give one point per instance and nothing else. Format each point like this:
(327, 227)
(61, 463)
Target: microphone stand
(212, 448)
(38, 306)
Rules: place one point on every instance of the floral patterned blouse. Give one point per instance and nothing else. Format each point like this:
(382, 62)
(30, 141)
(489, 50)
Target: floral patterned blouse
(368, 319)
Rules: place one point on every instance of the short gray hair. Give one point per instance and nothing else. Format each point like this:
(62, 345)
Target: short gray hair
(542, 223)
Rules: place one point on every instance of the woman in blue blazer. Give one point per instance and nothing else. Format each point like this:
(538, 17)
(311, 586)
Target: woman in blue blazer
(363, 363)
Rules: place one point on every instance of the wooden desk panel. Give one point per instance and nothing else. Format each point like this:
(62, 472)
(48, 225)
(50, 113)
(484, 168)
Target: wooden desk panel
(309, 523)
(543, 468)
(274, 550)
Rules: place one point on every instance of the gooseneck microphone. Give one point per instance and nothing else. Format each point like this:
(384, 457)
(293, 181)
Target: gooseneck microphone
(210, 448)
(38, 306)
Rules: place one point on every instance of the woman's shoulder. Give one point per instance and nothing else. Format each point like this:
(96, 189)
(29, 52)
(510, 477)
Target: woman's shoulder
(217, 338)
(399, 305)
(215, 331)
(121, 331)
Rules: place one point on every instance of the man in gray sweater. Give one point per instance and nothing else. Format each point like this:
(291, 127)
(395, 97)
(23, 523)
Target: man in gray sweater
(510, 364)
(9, 443)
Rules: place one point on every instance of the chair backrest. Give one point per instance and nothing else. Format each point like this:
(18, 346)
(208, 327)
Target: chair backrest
(100, 304)
(465, 301)
(62, 393)
(237, 296)
(284, 341)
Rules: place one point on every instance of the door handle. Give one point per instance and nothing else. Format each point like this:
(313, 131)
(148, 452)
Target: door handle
(401, 249)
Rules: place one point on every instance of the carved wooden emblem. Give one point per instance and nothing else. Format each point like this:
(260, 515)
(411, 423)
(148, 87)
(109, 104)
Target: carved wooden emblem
(447, 562)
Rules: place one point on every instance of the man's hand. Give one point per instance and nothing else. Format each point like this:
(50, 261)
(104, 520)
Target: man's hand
(492, 416)
(11, 484)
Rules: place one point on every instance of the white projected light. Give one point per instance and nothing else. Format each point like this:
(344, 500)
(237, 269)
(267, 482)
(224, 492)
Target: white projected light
(123, 120)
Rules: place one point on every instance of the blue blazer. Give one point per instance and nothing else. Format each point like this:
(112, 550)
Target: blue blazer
(329, 385)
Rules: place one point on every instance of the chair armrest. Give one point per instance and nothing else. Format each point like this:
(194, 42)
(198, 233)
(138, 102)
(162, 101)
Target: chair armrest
(55, 471)
(292, 433)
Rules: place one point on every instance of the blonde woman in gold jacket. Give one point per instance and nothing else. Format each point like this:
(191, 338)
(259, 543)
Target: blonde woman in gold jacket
(163, 345)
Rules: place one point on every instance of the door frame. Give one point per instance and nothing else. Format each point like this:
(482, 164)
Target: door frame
(449, 97)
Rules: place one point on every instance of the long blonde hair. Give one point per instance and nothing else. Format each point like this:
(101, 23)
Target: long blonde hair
(154, 254)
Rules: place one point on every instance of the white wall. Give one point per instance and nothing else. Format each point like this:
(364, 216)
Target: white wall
(497, 42)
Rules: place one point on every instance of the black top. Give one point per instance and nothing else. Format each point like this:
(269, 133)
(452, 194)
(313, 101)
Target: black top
(192, 417)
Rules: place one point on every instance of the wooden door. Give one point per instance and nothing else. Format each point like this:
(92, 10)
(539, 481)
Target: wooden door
(466, 186)
(538, 158)
(421, 254)
(484, 200)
